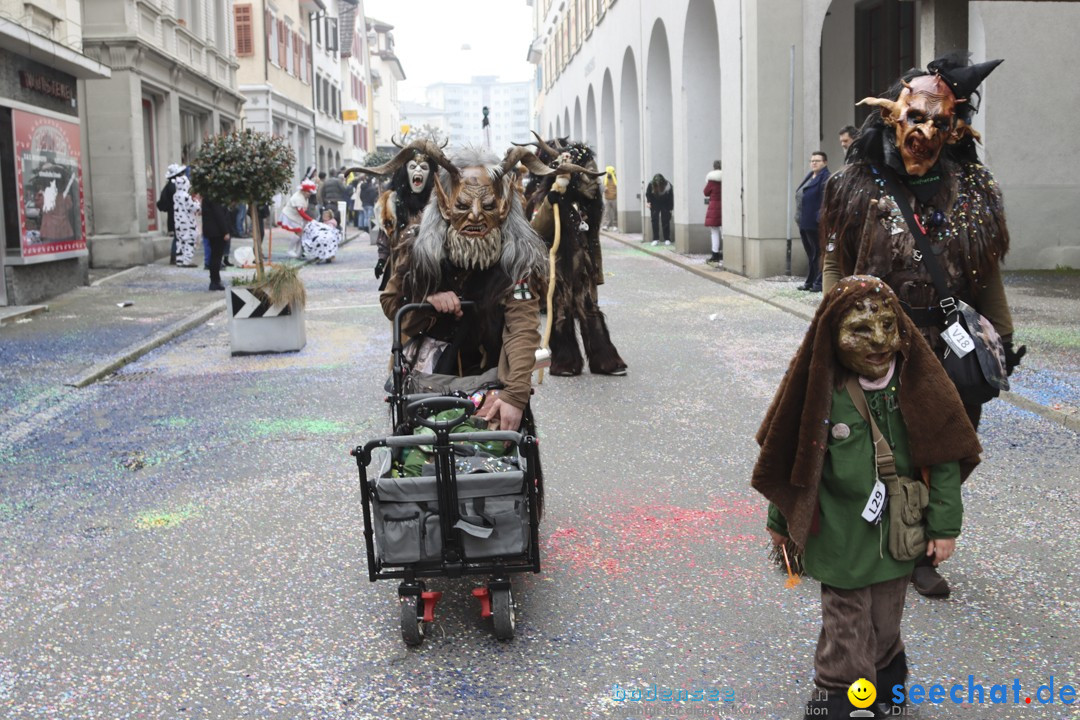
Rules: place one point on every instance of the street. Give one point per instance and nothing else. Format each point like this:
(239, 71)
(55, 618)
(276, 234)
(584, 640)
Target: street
(184, 539)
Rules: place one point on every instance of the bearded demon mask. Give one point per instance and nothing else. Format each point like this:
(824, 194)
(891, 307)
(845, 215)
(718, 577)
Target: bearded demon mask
(924, 118)
(868, 338)
(475, 206)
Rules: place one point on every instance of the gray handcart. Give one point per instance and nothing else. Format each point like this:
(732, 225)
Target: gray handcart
(463, 515)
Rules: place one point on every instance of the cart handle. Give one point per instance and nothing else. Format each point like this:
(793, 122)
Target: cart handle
(439, 404)
(409, 307)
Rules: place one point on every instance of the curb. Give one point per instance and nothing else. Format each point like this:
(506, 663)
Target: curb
(14, 313)
(137, 350)
(737, 283)
(172, 332)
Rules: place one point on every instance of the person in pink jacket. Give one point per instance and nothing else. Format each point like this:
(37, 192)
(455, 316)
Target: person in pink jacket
(714, 216)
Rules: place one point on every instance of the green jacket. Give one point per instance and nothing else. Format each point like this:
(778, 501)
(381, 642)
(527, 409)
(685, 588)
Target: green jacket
(846, 551)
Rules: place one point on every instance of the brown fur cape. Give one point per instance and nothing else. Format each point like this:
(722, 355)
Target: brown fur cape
(794, 434)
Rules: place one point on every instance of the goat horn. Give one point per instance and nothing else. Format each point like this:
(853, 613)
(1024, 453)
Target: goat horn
(544, 147)
(891, 106)
(525, 157)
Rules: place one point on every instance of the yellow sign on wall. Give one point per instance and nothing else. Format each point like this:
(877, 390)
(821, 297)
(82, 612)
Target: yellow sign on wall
(350, 116)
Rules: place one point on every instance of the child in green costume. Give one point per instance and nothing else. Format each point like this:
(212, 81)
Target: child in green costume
(819, 469)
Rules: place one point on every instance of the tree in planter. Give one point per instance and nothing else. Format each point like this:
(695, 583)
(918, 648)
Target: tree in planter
(249, 167)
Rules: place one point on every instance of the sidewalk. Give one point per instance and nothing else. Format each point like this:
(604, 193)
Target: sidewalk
(1045, 306)
(90, 332)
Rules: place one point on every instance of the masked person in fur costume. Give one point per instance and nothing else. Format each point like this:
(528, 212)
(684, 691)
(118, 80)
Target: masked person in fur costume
(578, 262)
(398, 210)
(923, 139)
(863, 371)
(473, 243)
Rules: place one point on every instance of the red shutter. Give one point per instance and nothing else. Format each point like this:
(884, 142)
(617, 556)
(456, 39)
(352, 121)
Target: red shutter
(245, 41)
(269, 25)
(281, 48)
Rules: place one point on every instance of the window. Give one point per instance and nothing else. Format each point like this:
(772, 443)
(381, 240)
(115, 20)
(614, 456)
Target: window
(245, 40)
(282, 47)
(290, 53)
(271, 44)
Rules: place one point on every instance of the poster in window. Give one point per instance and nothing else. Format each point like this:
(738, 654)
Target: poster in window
(48, 175)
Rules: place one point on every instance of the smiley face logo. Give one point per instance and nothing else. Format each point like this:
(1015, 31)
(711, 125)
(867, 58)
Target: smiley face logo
(862, 693)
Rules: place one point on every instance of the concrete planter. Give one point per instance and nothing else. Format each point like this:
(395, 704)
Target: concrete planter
(257, 327)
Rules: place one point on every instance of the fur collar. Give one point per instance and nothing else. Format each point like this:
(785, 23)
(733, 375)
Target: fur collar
(715, 176)
(794, 434)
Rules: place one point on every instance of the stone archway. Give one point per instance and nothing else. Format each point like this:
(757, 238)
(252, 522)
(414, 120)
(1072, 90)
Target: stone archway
(607, 122)
(590, 119)
(551, 130)
(702, 104)
(659, 115)
(566, 123)
(631, 191)
(579, 131)
(558, 127)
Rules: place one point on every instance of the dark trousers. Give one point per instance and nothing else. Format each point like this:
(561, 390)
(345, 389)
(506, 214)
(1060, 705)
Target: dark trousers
(813, 254)
(661, 218)
(860, 633)
(217, 251)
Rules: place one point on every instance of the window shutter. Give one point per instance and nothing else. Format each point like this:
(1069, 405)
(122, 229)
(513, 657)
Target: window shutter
(281, 30)
(296, 53)
(245, 41)
(268, 24)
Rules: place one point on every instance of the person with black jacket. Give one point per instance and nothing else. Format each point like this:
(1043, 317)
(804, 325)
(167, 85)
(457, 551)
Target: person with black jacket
(660, 198)
(216, 229)
(331, 193)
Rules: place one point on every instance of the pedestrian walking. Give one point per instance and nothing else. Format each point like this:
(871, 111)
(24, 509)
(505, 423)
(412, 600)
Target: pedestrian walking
(920, 146)
(714, 216)
(892, 427)
(660, 199)
(611, 196)
(369, 195)
(808, 198)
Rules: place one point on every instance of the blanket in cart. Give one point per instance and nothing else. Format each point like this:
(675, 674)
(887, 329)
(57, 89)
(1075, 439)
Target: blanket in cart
(469, 457)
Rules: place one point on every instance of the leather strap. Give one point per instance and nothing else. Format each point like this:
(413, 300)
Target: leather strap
(883, 454)
(929, 259)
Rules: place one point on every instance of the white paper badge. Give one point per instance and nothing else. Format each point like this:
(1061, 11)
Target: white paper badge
(872, 512)
(957, 338)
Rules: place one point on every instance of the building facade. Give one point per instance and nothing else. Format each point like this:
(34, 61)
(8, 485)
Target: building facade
(667, 87)
(509, 108)
(386, 73)
(43, 166)
(173, 84)
(356, 73)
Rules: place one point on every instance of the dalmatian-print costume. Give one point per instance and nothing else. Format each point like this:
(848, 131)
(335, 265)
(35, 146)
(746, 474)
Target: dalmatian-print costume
(185, 218)
(320, 240)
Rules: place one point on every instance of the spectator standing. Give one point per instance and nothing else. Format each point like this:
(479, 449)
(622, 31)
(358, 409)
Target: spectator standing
(165, 205)
(332, 192)
(714, 216)
(295, 216)
(808, 198)
(660, 199)
(611, 196)
(216, 232)
(847, 135)
(369, 195)
(185, 219)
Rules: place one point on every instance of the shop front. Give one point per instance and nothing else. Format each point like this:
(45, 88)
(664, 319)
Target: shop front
(43, 212)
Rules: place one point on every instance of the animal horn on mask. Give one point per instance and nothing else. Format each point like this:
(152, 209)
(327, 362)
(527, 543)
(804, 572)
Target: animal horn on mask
(424, 147)
(544, 148)
(524, 156)
(890, 109)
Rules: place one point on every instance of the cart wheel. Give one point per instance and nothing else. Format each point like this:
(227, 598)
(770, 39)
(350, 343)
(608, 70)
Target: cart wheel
(503, 613)
(412, 625)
